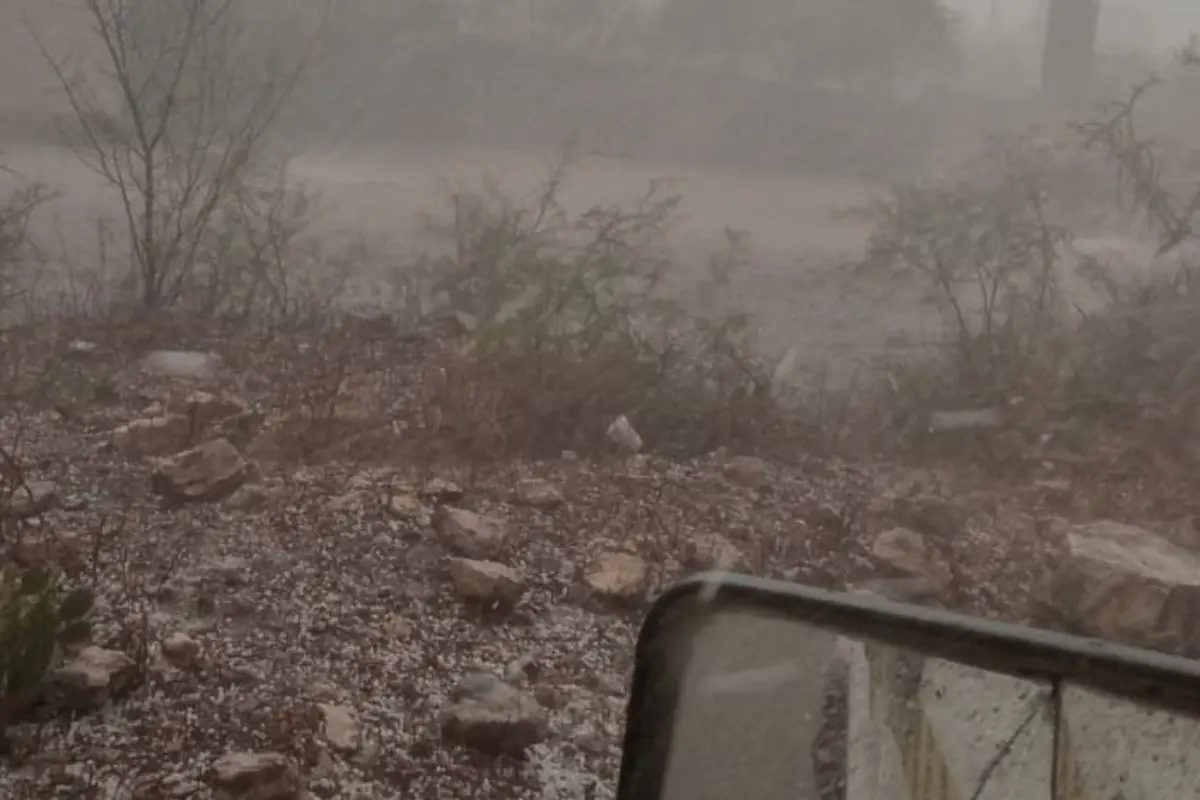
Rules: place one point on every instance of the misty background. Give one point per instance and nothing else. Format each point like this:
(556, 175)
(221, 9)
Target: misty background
(767, 116)
(782, 230)
(854, 88)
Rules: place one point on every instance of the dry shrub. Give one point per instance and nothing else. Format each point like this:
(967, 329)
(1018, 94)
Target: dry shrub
(558, 324)
(575, 320)
(1140, 352)
(1109, 398)
(339, 389)
(1135, 374)
(174, 119)
(20, 259)
(262, 268)
(21, 262)
(981, 249)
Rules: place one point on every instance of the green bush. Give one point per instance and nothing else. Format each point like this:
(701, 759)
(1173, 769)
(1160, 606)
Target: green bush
(37, 617)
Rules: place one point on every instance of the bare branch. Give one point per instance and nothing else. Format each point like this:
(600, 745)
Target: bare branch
(190, 118)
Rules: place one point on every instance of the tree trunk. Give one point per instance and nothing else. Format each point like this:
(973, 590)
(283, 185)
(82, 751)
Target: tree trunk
(1068, 61)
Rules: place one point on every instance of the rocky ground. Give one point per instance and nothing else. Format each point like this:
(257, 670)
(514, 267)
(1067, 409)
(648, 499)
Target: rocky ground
(373, 628)
(363, 630)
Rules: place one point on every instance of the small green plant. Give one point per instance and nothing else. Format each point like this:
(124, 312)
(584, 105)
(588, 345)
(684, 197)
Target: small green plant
(37, 618)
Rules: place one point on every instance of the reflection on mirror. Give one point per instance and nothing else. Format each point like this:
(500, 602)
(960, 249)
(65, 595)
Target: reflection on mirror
(1111, 748)
(770, 708)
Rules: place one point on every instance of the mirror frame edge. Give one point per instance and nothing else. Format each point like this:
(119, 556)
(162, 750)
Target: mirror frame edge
(1143, 676)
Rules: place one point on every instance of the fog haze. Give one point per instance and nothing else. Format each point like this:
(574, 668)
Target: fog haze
(374, 363)
(400, 99)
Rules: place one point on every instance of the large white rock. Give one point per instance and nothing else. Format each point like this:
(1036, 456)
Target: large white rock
(1125, 584)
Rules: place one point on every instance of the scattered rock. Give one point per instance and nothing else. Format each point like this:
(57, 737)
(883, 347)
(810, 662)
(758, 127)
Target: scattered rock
(340, 728)
(618, 577)
(223, 572)
(475, 683)
(713, 551)
(489, 715)
(211, 471)
(91, 679)
(46, 546)
(453, 325)
(486, 582)
(185, 364)
(322, 692)
(440, 491)
(919, 591)
(396, 627)
(1125, 584)
(256, 776)
(1053, 485)
(1055, 493)
(1069, 439)
(152, 436)
(622, 435)
(211, 416)
(249, 497)
(784, 373)
(1182, 532)
(637, 468)
(537, 493)
(30, 499)
(970, 419)
(324, 767)
(929, 515)
(80, 348)
(370, 480)
(180, 650)
(748, 471)
(469, 534)
(407, 507)
(523, 669)
(907, 552)
(241, 429)
(347, 502)
(592, 741)
(204, 410)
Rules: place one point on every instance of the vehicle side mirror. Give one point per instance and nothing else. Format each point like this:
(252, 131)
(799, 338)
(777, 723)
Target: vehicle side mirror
(763, 690)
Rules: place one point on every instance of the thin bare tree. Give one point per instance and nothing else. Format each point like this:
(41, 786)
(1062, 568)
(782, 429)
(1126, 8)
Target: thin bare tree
(175, 117)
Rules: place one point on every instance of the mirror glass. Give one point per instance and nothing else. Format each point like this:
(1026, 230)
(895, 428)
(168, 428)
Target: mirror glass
(1112, 748)
(772, 708)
